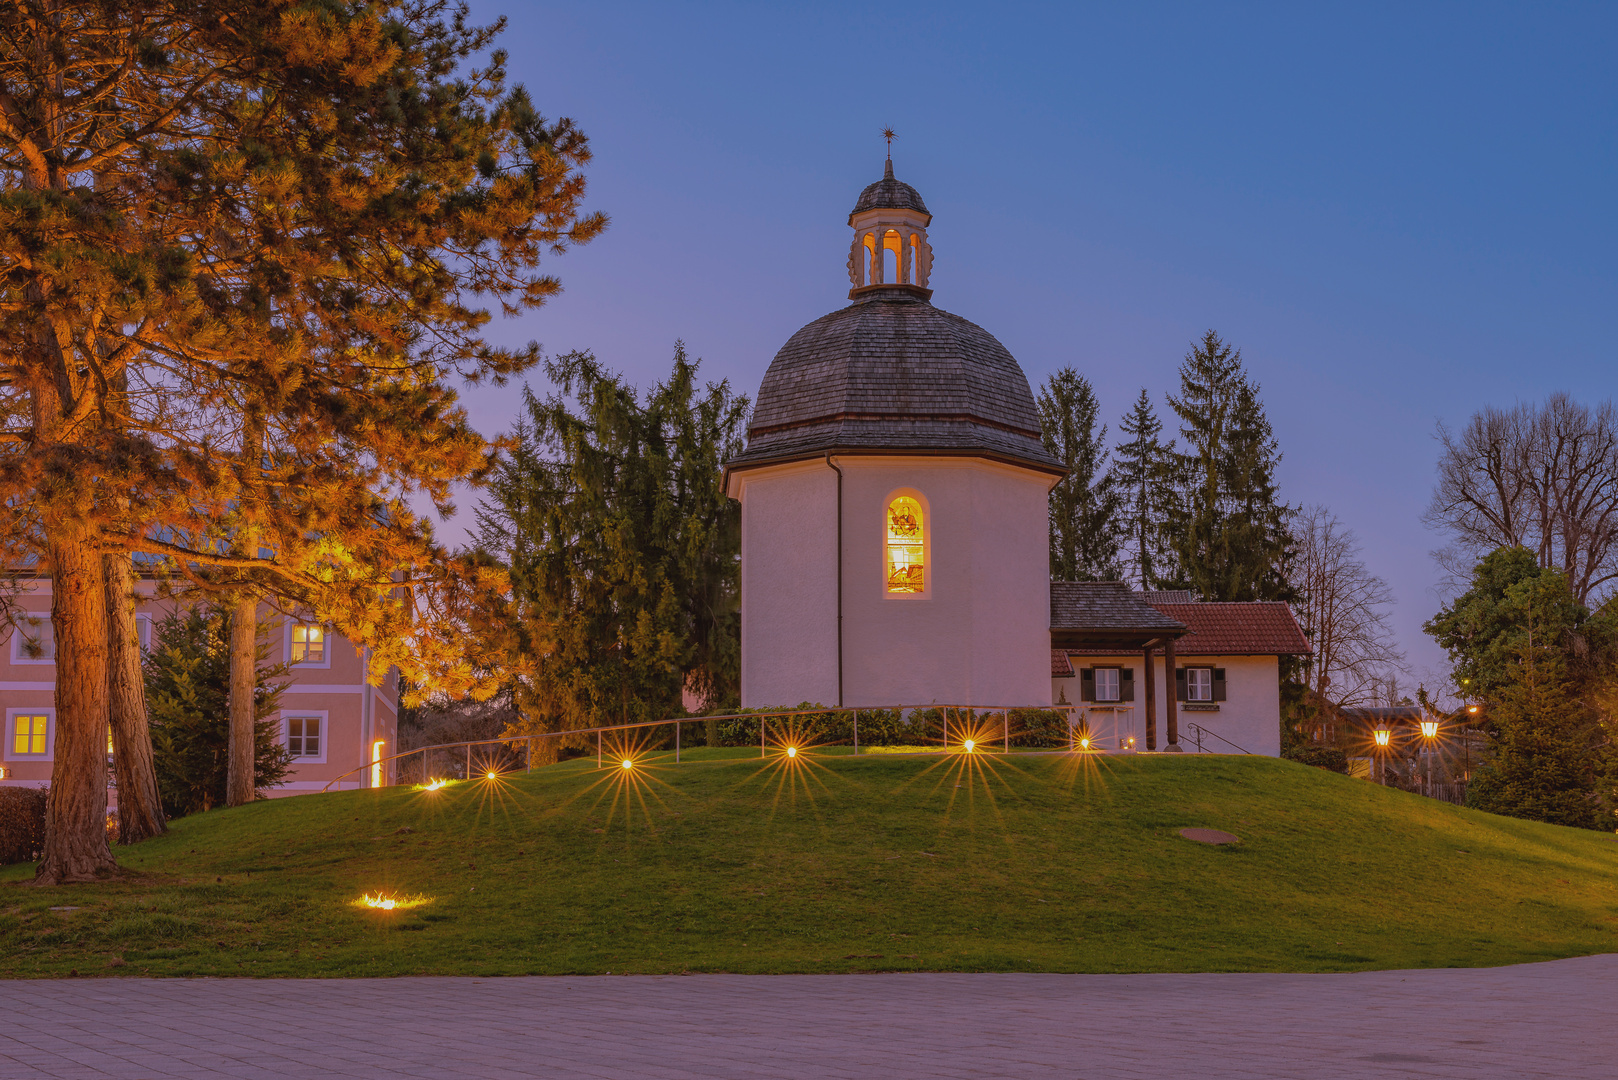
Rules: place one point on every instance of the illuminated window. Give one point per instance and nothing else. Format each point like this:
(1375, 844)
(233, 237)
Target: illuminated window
(303, 736)
(906, 546)
(308, 644)
(29, 734)
(34, 641)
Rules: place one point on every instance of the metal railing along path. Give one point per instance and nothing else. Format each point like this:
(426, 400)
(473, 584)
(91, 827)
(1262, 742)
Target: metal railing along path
(973, 721)
(1198, 731)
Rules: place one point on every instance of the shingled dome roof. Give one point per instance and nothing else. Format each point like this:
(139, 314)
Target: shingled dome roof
(889, 194)
(891, 372)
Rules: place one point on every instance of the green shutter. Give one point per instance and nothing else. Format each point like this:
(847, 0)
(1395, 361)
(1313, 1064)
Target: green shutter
(1087, 684)
(1179, 684)
(1219, 684)
(1126, 684)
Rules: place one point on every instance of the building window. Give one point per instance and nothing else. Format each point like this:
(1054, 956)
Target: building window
(906, 546)
(1200, 685)
(303, 736)
(143, 631)
(29, 733)
(1106, 684)
(308, 644)
(33, 641)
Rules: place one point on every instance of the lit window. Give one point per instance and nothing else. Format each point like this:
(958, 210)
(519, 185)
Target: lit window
(303, 736)
(906, 547)
(308, 644)
(1199, 684)
(34, 641)
(1106, 684)
(28, 731)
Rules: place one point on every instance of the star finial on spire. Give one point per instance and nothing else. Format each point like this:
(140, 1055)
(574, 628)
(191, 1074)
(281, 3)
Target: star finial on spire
(889, 134)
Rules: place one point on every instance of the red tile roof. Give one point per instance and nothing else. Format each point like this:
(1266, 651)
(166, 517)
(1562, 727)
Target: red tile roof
(1261, 628)
(1061, 668)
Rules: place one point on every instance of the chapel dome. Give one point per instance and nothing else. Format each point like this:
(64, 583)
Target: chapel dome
(892, 373)
(888, 194)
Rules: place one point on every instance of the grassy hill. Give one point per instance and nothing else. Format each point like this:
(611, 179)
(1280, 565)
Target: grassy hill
(881, 862)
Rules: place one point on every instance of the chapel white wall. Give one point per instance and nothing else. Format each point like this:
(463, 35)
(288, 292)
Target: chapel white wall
(979, 635)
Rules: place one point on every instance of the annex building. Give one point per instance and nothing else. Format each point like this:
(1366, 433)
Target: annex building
(895, 534)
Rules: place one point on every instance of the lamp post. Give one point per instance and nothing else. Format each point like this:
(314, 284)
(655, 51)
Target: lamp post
(1383, 738)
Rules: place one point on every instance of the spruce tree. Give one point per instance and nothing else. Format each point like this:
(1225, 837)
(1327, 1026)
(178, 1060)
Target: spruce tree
(1225, 527)
(1140, 474)
(622, 548)
(188, 686)
(1086, 531)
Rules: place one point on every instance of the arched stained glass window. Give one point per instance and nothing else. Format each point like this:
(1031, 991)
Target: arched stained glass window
(906, 546)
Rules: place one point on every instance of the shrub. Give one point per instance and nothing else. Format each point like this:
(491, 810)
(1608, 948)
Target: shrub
(22, 823)
(1329, 758)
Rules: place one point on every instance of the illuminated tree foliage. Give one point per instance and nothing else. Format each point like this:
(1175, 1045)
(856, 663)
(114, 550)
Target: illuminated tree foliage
(623, 550)
(244, 249)
(1225, 525)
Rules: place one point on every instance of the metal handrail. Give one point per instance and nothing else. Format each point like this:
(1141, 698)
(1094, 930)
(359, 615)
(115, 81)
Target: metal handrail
(1201, 731)
(528, 740)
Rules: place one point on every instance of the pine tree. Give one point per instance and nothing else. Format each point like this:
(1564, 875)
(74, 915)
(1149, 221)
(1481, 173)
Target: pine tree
(222, 210)
(1140, 474)
(622, 547)
(1084, 505)
(1225, 527)
(188, 677)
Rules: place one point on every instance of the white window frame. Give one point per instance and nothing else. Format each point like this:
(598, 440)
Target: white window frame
(325, 734)
(17, 655)
(50, 734)
(1117, 685)
(143, 632)
(326, 637)
(1190, 689)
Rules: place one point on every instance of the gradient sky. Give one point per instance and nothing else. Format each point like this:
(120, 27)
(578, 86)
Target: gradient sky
(1399, 214)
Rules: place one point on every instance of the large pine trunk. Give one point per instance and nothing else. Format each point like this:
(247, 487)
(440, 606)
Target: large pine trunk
(140, 807)
(239, 786)
(76, 812)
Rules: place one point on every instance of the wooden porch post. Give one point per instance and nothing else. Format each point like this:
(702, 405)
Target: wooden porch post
(1151, 701)
(1172, 714)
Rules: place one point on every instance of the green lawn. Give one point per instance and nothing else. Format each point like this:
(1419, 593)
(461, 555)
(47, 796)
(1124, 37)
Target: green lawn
(834, 863)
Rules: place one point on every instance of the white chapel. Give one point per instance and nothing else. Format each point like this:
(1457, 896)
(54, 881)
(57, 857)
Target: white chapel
(894, 497)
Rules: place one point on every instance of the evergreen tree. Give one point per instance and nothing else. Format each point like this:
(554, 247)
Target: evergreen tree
(1538, 661)
(1226, 529)
(187, 675)
(234, 215)
(1140, 474)
(1085, 504)
(623, 549)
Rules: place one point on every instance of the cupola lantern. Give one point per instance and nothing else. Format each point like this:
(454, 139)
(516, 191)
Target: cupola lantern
(890, 237)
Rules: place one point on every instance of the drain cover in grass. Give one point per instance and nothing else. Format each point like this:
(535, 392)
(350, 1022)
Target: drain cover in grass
(1210, 836)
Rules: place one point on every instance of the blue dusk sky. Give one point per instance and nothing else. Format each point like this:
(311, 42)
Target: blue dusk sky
(1398, 213)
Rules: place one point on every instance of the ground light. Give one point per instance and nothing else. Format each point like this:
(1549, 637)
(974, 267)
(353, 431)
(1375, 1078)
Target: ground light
(385, 902)
(1084, 743)
(628, 763)
(792, 751)
(970, 745)
(491, 774)
(433, 785)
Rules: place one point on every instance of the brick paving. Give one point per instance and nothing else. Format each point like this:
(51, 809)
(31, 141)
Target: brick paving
(1538, 1020)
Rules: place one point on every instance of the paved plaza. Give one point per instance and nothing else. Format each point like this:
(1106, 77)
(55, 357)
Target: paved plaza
(1539, 1020)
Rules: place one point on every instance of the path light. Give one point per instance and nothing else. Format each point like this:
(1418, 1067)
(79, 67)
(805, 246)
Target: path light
(1429, 729)
(970, 745)
(628, 763)
(1382, 736)
(792, 751)
(491, 774)
(1084, 743)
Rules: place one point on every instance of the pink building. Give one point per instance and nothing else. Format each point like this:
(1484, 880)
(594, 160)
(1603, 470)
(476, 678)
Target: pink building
(330, 720)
